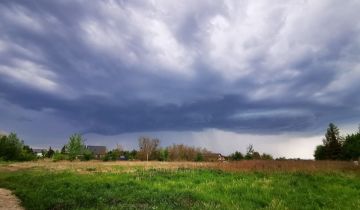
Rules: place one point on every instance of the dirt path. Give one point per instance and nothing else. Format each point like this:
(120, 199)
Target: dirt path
(8, 201)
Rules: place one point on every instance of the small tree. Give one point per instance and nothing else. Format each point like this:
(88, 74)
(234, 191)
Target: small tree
(236, 156)
(256, 156)
(249, 152)
(147, 146)
(265, 156)
(63, 150)
(132, 155)
(75, 146)
(199, 157)
(163, 154)
(50, 153)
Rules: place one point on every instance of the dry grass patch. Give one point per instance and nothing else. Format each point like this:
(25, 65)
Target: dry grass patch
(131, 166)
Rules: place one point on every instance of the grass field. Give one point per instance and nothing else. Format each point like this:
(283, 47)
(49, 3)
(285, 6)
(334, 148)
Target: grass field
(158, 185)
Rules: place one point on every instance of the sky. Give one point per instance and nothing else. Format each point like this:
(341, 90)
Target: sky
(214, 74)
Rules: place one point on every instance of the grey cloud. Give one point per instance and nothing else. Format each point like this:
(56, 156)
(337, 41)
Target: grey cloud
(136, 66)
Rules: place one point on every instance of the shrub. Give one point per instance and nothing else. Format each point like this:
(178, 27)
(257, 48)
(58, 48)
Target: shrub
(351, 147)
(199, 157)
(88, 155)
(59, 156)
(265, 156)
(12, 148)
(236, 156)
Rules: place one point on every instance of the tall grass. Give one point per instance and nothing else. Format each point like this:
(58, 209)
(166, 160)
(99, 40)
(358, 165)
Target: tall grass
(137, 186)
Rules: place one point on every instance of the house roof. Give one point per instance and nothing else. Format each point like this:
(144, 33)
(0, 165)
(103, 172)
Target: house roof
(97, 150)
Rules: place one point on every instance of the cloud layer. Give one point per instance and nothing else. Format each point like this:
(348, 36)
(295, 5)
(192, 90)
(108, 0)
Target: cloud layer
(113, 67)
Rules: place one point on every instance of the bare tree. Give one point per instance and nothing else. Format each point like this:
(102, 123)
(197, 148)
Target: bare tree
(148, 145)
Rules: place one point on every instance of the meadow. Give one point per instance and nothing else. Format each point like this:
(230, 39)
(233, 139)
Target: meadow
(184, 185)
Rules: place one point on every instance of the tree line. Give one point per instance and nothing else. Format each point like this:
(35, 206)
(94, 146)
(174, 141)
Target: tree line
(334, 147)
(12, 148)
(149, 149)
(337, 147)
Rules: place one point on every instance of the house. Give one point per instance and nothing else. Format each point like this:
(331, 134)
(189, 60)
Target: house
(98, 151)
(39, 152)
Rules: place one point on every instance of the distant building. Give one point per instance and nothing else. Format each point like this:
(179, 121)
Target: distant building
(39, 152)
(98, 151)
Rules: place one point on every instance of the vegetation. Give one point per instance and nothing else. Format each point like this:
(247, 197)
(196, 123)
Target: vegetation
(76, 146)
(181, 152)
(236, 156)
(136, 188)
(147, 148)
(336, 147)
(113, 155)
(251, 154)
(59, 156)
(13, 149)
(50, 153)
(351, 147)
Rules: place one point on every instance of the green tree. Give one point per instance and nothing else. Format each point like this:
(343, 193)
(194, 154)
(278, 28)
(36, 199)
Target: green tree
(265, 156)
(63, 150)
(199, 157)
(332, 142)
(163, 154)
(236, 156)
(332, 145)
(256, 156)
(112, 155)
(132, 155)
(10, 147)
(320, 153)
(75, 147)
(351, 147)
(50, 153)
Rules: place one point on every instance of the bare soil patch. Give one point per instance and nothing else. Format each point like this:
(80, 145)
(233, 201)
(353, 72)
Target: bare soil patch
(8, 201)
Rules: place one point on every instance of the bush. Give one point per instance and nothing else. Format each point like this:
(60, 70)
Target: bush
(351, 147)
(320, 153)
(59, 156)
(236, 156)
(50, 153)
(265, 156)
(88, 155)
(12, 148)
(163, 154)
(27, 156)
(199, 157)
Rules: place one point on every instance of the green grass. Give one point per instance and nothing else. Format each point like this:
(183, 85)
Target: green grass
(183, 189)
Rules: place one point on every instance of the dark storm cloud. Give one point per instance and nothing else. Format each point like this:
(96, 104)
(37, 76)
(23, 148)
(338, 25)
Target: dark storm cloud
(114, 67)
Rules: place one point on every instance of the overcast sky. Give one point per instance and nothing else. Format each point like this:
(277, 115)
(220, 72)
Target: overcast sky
(215, 74)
